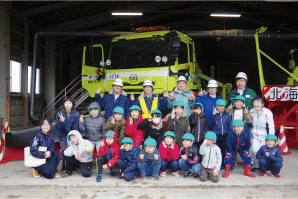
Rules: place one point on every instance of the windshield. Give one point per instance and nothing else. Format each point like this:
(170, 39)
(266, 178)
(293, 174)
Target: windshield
(138, 53)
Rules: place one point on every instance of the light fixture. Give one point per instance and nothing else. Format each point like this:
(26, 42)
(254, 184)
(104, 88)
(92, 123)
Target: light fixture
(127, 13)
(157, 58)
(225, 15)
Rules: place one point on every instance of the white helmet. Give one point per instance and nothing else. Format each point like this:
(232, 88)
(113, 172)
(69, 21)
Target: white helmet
(212, 83)
(241, 75)
(118, 82)
(181, 78)
(147, 83)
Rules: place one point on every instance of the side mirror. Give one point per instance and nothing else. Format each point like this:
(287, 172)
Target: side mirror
(174, 53)
(176, 42)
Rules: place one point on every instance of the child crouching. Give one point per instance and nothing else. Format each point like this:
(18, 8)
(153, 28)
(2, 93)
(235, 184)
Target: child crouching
(189, 157)
(211, 160)
(108, 154)
(169, 152)
(149, 160)
(128, 160)
(78, 154)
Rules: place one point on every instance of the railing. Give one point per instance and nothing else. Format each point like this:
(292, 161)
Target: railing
(79, 96)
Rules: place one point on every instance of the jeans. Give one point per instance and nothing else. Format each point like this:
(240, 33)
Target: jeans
(146, 169)
(173, 165)
(128, 176)
(196, 168)
(274, 167)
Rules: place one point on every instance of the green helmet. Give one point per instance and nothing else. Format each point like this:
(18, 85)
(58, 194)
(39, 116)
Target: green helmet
(135, 107)
(127, 140)
(221, 102)
(150, 142)
(199, 104)
(179, 103)
(271, 137)
(188, 136)
(118, 109)
(156, 111)
(169, 133)
(92, 106)
(238, 123)
(240, 97)
(210, 135)
(110, 134)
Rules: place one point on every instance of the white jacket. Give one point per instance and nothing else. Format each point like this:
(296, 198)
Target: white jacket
(260, 122)
(211, 156)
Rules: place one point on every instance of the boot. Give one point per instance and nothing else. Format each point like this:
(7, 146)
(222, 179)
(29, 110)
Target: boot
(98, 178)
(227, 172)
(247, 171)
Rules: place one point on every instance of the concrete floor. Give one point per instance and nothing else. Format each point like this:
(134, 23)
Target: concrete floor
(16, 181)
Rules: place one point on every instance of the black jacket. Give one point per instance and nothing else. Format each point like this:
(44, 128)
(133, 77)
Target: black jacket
(198, 126)
(151, 132)
(192, 154)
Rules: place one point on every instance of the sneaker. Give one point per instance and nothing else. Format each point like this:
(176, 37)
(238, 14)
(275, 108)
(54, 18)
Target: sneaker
(98, 178)
(175, 174)
(57, 175)
(262, 174)
(231, 168)
(36, 174)
(64, 175)
(142, 178)
(121, 177)
(222, 168)
(277, 176)
(195, 175)
(187, 174)
(163, 174)
(155, 177)
(255, 169)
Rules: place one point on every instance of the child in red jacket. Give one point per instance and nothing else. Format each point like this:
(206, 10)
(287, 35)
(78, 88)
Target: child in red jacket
(132, 122)
(169, 152)
(108, 154)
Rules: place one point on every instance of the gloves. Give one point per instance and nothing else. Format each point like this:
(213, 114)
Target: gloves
(247, 154)
(228, 155)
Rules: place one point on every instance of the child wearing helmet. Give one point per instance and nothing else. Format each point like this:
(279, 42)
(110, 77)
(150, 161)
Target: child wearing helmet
(169, 152)
(211, 160)
(198, 124)
(117, 97)
(128, 160)
(178, 122)
(269, 157)
(149, 100)
(221, 123)
(238, 110)
(132, 123)
(117, 123)
(108, 155)
(153, 126)
(239, 141)
(189, 157)
(149, 160)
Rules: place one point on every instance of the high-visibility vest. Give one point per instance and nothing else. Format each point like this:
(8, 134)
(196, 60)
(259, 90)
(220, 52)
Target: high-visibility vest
(146, 112)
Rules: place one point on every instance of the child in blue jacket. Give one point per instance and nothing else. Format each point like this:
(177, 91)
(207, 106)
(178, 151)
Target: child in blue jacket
(221, 124)
(269, 157)
(238, 140)
(128, 160)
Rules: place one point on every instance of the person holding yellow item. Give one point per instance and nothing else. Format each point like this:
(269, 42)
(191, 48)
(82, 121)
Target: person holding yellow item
(149, 100)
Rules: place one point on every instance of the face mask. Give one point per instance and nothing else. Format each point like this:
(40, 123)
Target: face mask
(156, 120)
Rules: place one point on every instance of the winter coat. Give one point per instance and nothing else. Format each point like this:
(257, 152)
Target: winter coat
(191, 153)
(42, 140)
(221, 124)
(114, 151)
(274, 154)
(208, 102)
(248, 94)
(262, 124)
(247, 118)
(179, 126)
(239, 142)
(109, 103)
(134, 133)
(212, 157)
(93, 127)
(198, 126)
(182, 96)
(84, 147)
(151, 131)
(131, 158)
(161, 105)
(149, 157)
(119, 127)
(71, 122)
(168, 152)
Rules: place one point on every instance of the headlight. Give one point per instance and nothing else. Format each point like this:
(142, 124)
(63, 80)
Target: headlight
(108, 62)
(164, 59)
(102, 63)
(158, 58)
